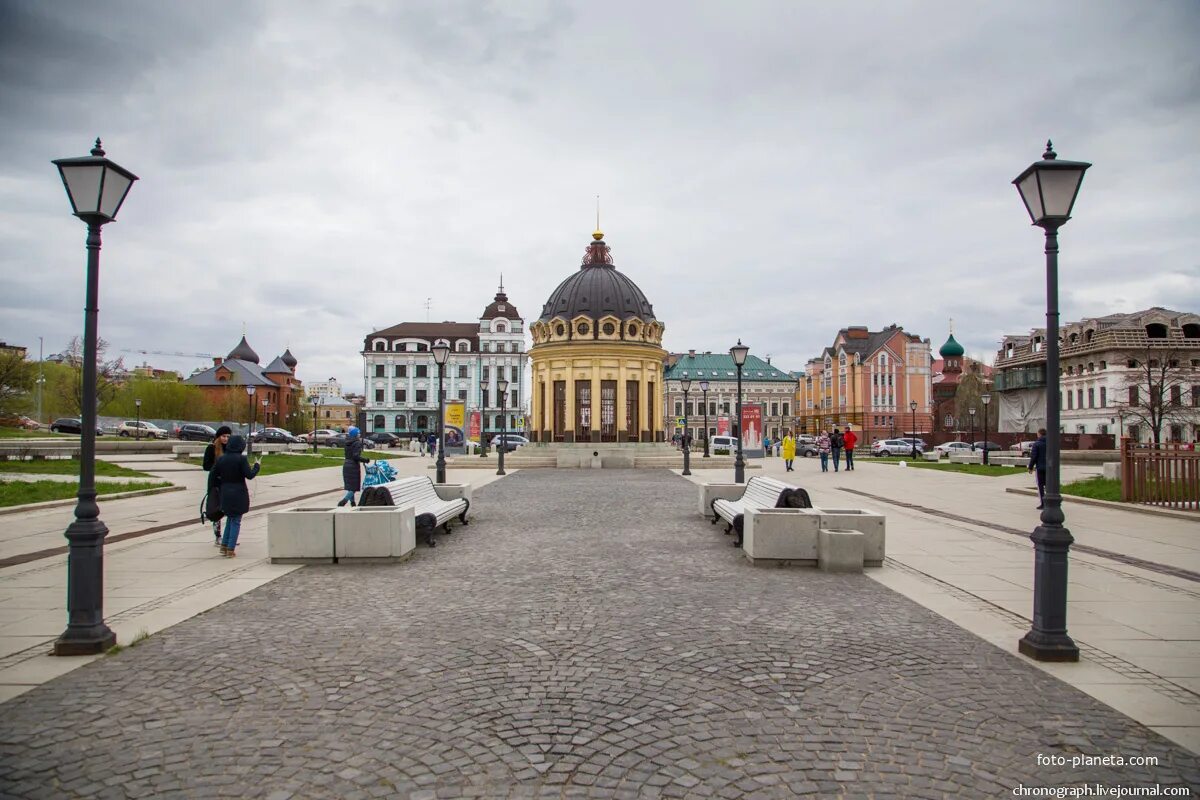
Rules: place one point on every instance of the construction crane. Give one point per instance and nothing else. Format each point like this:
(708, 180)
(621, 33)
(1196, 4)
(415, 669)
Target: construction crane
(166, 353)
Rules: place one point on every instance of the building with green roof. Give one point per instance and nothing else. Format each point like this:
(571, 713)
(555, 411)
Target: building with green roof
(764, 384)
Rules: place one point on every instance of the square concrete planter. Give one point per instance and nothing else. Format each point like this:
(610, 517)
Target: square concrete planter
(453, 491)
(839, 551)
(718, 491)
(300, 536)
(781, 536)
(869, 523)
(374, 534)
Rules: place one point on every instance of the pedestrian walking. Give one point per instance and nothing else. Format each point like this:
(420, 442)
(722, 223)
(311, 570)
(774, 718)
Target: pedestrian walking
(351, 471)
(789, 450)
(823, 447)
(849, 438)
(212, 501)
(836, 442)
(233, 470)
(1037, 463)
(766, 446)
(433, 444)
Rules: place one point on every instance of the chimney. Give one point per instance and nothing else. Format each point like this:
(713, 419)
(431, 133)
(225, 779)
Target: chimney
(857, 332)
(691, 353)
(217, 361)
(768, 358)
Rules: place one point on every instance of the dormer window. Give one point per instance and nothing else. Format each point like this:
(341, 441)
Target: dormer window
(500, 307)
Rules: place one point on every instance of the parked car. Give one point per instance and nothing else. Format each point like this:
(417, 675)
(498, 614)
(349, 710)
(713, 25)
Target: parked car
(511, 441)
(71, 425)
(807, 449)
(273, 436)
(140, 430)
(194, 432)
(729, 443)
(322, 436)
(28, 424)
(382, 439)
(950, 448)
(991, 446)
(895, 447)
(1023, 447)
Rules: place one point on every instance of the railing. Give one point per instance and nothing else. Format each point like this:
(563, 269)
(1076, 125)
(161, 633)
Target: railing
(1160, 474)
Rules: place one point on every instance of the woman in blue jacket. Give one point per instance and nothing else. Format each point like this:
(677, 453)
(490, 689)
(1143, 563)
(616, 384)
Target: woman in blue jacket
(233, 470)
(351, 471)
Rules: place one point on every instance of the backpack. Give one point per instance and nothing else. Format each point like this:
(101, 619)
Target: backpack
(837, 440)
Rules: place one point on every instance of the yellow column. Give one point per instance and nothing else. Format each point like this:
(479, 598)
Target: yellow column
(622, 376)
(596, 396)
(569, 376)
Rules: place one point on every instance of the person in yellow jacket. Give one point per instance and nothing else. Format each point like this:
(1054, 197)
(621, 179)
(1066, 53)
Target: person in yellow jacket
(789, 450)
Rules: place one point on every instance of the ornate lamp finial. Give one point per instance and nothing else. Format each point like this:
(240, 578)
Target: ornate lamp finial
(1049, 155)
(597, 234)
(97, 150)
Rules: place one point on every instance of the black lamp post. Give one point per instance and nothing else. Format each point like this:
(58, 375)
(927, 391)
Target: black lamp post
(250, 422)
(971, 411)
(441, 351)
(315, 401)
(704, 393)
(912, 406)
(986, 399)
(1049, 188)
(96, 188)
(739, 352)
(502, 390)
(686, 385)
(138, 433)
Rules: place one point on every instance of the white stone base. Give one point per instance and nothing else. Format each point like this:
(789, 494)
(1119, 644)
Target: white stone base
(839, 551)
(1112, 470)
(931, 456)
(869, 523)
(781, 536)
(718, 491)
(374, 534)
(300, 536)
(453, 491)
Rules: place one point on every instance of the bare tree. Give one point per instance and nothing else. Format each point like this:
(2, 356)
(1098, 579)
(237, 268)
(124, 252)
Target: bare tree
(1159, 389)
(109, 376)
(16, 381)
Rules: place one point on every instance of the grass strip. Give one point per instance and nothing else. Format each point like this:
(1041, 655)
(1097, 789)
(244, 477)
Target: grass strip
(279, 463)
(1097, 488)
(15, 493)
(67, 466)
(21, 433)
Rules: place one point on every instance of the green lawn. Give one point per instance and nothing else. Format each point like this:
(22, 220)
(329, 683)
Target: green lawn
(14, 493)
(56, 466)
(945, 466)
(1096, 488)
(21, 433)
(278, 463)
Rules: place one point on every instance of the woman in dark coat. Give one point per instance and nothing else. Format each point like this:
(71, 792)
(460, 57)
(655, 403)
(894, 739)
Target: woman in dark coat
(233, 470)
(351, 471)
(212, 504)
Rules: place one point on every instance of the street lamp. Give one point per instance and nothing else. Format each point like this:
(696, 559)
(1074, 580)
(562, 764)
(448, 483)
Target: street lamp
(96, 188)
(912, 406)
(315, 402)
(986, 399)
(704, 392)
(971, 411)
(739, 352)
(1048, 189)
(441, 351)
(686, 385)
(250, 420)
(502, 390)
(266, 415)
(138, 433)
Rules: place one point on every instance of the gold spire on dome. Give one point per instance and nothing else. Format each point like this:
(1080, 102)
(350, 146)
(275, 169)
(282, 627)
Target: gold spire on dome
(597, 234)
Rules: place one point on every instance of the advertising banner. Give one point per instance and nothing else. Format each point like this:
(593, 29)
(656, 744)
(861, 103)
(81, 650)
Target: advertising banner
(722, 426)
(476, 425)
(752, 444)
(456, 414)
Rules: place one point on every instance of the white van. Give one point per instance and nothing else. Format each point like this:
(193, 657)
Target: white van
(729, 443)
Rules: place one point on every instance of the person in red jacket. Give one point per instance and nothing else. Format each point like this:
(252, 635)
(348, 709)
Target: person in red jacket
(850, 439)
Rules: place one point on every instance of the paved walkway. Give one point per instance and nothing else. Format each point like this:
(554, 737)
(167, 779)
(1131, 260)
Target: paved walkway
(587, 636)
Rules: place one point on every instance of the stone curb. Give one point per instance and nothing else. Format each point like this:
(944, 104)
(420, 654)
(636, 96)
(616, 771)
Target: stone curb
(1133, 509)
(100, 499)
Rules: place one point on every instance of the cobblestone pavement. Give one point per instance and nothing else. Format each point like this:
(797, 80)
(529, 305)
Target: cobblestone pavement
(587, 636)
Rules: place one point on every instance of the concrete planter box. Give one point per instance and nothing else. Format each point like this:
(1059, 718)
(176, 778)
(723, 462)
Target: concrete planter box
(374, 534)
(781, 536)
(839, 551)
(869, 523)
(933, 456)
(1112, 470)
(718, 491)
(453, 491)
(300, 536)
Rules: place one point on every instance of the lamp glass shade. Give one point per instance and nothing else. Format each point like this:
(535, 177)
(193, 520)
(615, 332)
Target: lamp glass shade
(1049, 188)
(686, 384)
(83, 187)
(704, 386)
(483, 385)
(985, 398)
(972, 411)
(137, 403)
(95, 185)
(739, 352)
(502, 385)
(112, 194)
(250, 391)
(441, 352)
(912, 405)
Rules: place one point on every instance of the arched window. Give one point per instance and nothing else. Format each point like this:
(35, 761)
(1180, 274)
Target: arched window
(380, 347)
(379, 422)
(1156, 330)
(397, 346)
(463, 347)
(400, 422)
(422, 422)
(1074, 338)
(499, 421)
(1191, 331)
(500, 327)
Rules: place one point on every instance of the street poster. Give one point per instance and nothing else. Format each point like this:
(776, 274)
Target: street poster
(752, 444)
(722, 426)
(476, 425)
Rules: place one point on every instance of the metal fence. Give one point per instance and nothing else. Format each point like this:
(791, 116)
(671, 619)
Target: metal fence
(1165, 475)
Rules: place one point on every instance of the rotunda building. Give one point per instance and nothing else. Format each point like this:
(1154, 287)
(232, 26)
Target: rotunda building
(597, 358)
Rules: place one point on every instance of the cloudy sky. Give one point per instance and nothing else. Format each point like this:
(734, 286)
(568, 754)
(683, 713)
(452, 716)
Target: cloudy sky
(767, 170)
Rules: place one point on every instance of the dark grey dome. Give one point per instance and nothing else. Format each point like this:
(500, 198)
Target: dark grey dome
(597, 290)
(243, 352)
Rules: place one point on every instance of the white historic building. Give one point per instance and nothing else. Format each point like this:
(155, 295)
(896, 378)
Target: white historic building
(400, 376)
(1099, 360)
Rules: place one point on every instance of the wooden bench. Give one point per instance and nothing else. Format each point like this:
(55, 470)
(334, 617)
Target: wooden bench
(761, 493)
(431, 510)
